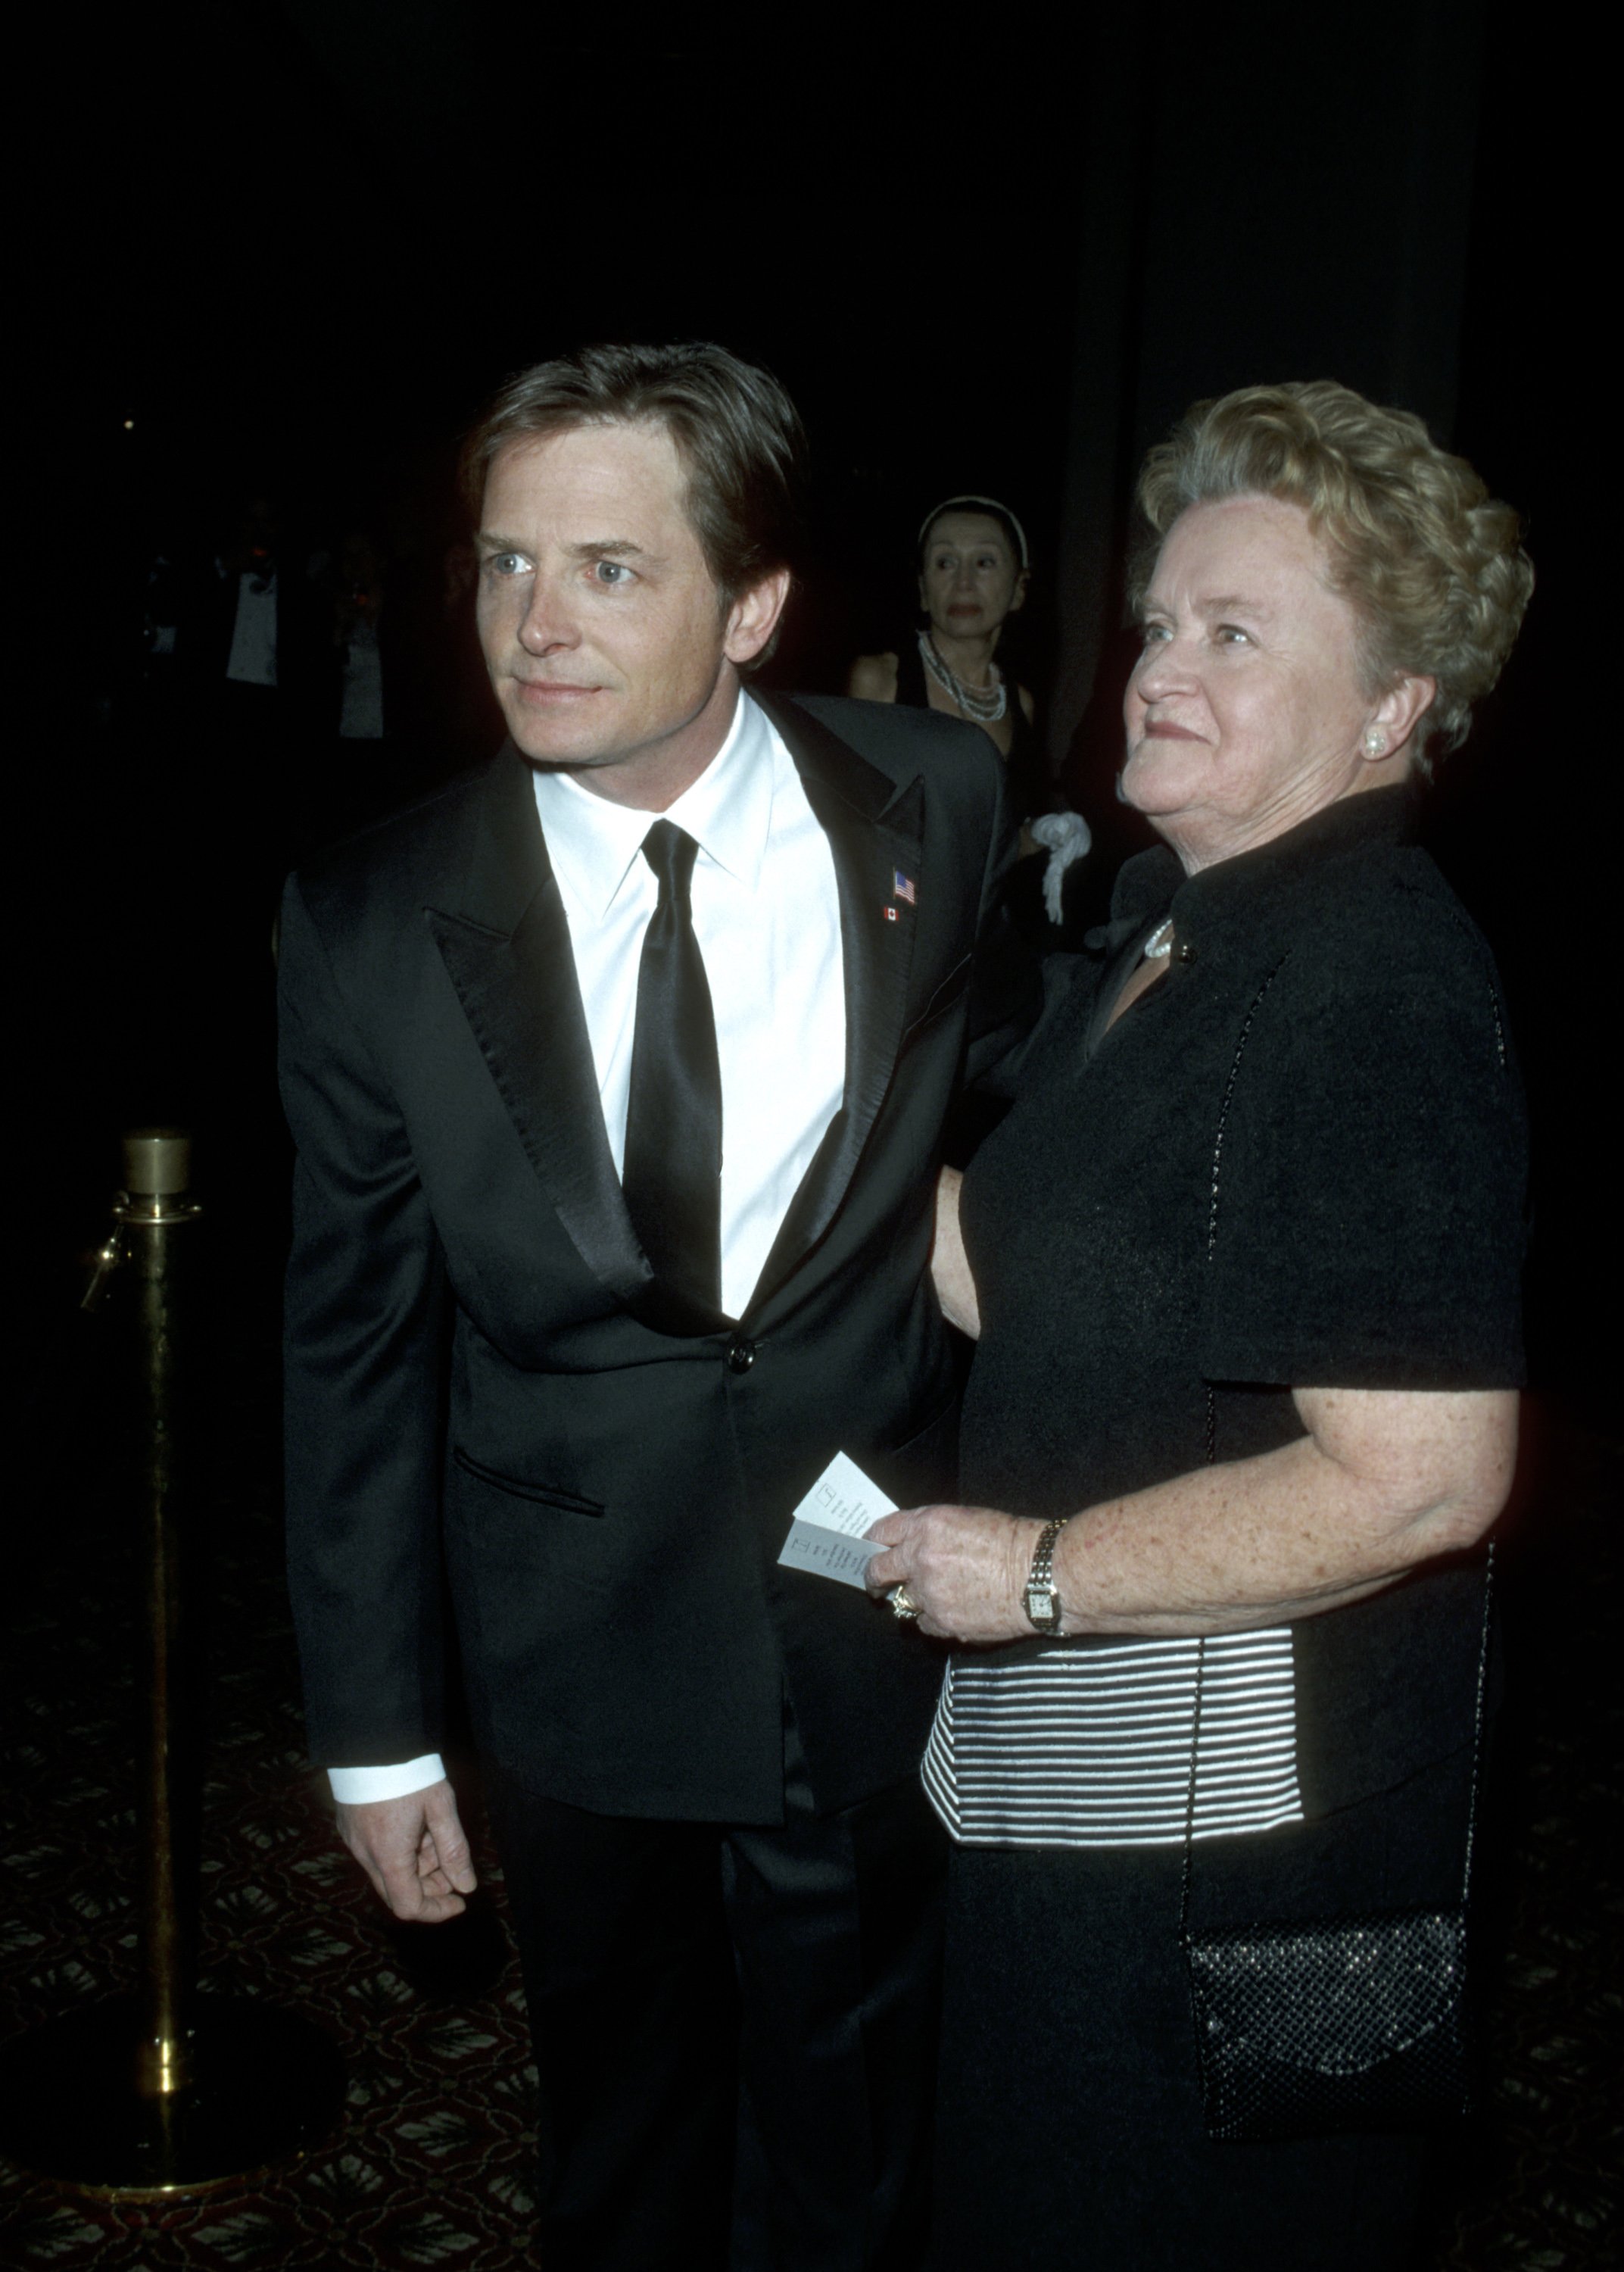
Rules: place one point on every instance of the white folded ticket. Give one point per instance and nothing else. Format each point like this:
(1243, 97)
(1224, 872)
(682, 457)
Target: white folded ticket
(826, 1529)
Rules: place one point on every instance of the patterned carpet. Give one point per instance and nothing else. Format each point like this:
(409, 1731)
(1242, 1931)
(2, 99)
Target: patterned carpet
(429, 2165)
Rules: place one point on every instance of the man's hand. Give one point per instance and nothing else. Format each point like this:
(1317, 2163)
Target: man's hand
(415, 1851)
(964, 1566)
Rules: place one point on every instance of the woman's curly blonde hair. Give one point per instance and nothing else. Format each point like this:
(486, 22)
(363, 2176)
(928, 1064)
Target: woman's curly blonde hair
(1432, 564)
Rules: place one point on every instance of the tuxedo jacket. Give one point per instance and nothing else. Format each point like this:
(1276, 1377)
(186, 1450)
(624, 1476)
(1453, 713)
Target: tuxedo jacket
(482, 1383)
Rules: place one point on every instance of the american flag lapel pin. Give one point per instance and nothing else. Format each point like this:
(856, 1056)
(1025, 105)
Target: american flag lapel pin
(902, 887)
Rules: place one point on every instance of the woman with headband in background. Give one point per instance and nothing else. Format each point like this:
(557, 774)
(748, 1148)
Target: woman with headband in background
(973, 572)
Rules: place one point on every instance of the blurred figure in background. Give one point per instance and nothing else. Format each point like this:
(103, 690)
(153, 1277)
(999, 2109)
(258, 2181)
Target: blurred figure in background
(351, 771)
(974, 570)
(357, 608)
(237, 629)
(463, 693)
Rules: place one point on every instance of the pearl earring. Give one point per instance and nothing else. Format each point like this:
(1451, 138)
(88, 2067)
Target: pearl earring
(1376, 742)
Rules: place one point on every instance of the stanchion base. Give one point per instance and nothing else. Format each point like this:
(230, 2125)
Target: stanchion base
(266, 2088)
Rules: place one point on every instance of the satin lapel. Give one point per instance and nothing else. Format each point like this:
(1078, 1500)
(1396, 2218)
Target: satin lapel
(507, 949)
(875, 831)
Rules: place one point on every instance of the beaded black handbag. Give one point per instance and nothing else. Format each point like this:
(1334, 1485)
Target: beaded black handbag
(1344, 2023)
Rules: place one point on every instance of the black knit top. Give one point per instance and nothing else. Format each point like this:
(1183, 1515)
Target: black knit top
(1298, 1160)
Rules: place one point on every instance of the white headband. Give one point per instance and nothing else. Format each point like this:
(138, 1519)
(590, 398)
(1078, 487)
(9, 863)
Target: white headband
(931, 518)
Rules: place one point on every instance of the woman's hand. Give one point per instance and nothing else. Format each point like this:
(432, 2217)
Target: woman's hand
(966, 1568)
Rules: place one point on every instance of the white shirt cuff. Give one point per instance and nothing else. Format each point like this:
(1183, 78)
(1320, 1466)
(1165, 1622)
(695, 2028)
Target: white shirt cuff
(359, 1786)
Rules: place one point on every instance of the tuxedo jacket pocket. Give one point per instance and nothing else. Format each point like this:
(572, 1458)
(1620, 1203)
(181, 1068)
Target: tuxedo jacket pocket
(950, 991)
(539, 1494)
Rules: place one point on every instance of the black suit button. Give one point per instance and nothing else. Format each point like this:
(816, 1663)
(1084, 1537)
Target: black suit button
(742, 1353)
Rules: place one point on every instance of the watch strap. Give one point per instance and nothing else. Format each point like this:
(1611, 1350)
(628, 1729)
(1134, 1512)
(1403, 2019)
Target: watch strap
(1041, 1600)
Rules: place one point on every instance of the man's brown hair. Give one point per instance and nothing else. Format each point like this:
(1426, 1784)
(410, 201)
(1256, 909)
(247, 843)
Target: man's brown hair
(736, 431)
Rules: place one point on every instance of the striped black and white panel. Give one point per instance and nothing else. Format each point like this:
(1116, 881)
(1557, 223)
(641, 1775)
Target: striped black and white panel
(1090, 1745)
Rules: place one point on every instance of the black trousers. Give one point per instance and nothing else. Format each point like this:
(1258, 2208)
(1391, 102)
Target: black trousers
(735, 2031)
(1070, 2111)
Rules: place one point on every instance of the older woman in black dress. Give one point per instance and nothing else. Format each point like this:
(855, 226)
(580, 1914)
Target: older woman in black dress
(1244, 1262)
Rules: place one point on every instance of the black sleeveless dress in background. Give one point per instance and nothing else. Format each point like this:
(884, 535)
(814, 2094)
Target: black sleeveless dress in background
(1030, 790)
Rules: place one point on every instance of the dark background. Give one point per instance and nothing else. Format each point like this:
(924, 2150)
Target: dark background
(293, 246)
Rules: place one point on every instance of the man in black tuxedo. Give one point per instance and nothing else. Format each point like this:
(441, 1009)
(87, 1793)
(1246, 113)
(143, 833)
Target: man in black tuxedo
(618, 1074)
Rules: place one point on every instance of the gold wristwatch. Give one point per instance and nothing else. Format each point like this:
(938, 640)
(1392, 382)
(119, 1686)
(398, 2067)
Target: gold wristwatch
(1040, 1600)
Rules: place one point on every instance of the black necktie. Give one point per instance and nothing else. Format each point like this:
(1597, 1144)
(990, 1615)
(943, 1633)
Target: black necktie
(673, 1173)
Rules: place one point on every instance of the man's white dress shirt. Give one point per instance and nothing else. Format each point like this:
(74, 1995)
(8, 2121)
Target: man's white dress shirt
(767, 917)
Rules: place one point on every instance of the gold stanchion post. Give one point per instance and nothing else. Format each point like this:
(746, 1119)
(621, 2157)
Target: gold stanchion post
(153, 1215)
(164, 2092)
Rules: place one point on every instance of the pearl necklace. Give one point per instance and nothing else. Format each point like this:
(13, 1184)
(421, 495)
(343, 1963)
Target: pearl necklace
(1159, 946)
(985, 705)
